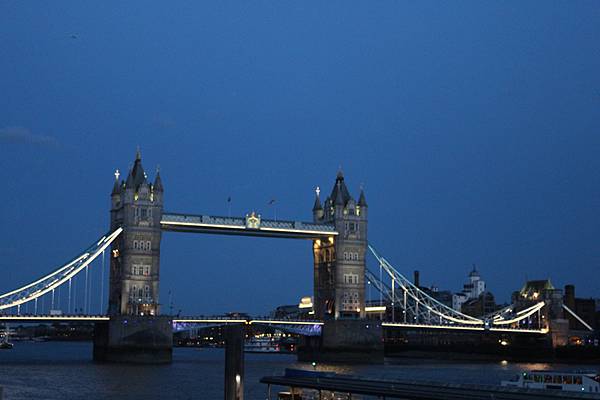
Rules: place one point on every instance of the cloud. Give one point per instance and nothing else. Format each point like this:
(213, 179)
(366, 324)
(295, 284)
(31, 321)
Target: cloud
(23, 136)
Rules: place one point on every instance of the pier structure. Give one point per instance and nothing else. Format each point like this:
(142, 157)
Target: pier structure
(321, 384)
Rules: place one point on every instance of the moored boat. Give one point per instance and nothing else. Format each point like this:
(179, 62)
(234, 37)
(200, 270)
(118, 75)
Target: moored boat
(261, 345)
(574, 381)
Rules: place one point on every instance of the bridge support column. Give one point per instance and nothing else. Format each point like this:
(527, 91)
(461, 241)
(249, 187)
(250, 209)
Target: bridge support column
(234, 362)
(345, 341)
(134, 339)
(559, 332)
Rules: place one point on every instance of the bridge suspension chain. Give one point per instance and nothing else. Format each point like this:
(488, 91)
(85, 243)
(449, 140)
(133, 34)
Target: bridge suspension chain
(420, 308)
(417, 305)
(62, 275)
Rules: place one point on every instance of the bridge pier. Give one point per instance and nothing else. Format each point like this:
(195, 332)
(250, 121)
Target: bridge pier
(345, 341)
(234, 362)
(134, 339)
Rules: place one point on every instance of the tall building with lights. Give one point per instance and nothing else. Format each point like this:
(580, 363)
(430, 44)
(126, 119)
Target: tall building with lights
(339, 261)
(137, 206)
(471, 290)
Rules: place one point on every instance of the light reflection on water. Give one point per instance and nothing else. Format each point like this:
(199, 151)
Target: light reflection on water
(65, 371)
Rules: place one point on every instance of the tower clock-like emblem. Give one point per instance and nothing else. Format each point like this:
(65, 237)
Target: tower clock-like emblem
(252, 221)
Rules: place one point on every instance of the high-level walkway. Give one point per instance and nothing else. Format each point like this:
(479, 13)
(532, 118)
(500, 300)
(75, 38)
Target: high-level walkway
(251, 225)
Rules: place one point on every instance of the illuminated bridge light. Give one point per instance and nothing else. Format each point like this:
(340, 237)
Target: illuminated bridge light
(375, 309)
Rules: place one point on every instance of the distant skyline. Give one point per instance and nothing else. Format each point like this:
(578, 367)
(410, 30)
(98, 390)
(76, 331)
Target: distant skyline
(474, 128)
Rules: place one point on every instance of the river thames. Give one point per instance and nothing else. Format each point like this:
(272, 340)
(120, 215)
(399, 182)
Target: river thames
(65, 370)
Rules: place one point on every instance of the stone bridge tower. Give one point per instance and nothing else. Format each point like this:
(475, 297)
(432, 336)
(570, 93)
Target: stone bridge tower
(137, 206)
(339, 262)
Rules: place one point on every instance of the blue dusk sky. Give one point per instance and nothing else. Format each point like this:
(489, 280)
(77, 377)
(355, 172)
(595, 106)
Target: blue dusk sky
(473, 125)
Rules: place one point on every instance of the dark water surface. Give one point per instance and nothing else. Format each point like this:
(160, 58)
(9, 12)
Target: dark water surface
(65, 370)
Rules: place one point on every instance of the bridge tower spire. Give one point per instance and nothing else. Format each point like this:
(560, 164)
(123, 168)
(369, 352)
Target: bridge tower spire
(339, 262)
(137, 206)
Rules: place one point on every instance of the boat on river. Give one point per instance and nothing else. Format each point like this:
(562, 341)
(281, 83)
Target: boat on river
(577, 381)
(261, 345)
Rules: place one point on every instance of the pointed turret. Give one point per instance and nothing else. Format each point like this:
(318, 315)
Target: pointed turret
(362, 201)
(137, 176)
(115, 195)
(129, 181)
(158, 186)
(138, 173)
(317, 206)
(117, 186)
(340, 194)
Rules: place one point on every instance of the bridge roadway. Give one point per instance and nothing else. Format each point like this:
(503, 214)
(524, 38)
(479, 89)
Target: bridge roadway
(187, 320)
(251, 225)
(215, 320)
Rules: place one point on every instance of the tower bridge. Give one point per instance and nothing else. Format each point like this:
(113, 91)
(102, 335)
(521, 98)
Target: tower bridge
(338, 231)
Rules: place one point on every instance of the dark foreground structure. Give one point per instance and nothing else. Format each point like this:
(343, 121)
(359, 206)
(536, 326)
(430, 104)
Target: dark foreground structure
(409, 390)
(344, 341)
(132, 339)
